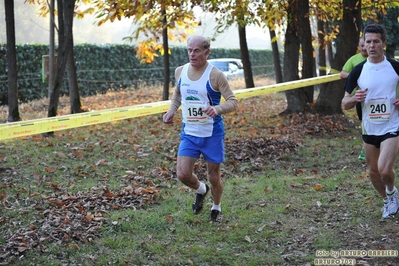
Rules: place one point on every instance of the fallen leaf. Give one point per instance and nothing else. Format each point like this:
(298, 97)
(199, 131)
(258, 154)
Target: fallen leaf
(75, 246)
(58, 203)
(169, 219)
(317, 187)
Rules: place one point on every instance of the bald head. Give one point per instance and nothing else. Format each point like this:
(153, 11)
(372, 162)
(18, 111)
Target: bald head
(198, 50)
(201, 41)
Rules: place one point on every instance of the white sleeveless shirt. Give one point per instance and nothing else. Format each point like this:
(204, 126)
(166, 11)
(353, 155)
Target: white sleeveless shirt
(194, 99)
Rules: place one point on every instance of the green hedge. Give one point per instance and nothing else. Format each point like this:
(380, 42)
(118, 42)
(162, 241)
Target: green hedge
(104, 67)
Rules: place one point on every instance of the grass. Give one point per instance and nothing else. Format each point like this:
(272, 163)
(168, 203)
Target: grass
(276, 211)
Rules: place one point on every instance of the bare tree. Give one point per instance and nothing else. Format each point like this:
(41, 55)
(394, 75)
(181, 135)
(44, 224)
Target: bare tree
(74, 97)
(246, 62)
(166, 57)
(65, 43)
(305, 38)
(276, 58)
(298, 35)
(322, 48)
(13, 112)
(296, 99)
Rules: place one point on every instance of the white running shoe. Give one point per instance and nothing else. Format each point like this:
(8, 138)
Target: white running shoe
(385, 212)
(393, 203)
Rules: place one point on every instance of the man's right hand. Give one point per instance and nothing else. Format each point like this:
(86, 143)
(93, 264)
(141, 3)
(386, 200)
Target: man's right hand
(168, 118)
(360, 95)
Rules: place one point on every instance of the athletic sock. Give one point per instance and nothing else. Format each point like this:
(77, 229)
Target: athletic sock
(201, 189)
(216, 207)
(391, 192)
(386, 200)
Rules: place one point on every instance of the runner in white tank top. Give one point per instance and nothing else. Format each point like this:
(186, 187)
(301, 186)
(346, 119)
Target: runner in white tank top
(195, 99)
(199, 90)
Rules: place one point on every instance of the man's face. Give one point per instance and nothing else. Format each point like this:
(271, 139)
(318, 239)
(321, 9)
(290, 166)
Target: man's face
(374, 46)
(197, 54)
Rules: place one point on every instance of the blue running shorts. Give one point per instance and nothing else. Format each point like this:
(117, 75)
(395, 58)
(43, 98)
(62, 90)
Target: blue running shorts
(212, 148)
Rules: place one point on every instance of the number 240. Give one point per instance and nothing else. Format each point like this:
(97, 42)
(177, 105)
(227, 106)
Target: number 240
(379, 108)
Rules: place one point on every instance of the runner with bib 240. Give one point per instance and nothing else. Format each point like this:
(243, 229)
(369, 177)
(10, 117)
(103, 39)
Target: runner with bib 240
(374, 84)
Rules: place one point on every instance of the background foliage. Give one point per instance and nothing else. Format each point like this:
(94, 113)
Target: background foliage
(104, 67)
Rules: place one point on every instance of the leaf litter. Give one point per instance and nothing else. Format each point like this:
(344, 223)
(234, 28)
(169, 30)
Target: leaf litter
(72, 218)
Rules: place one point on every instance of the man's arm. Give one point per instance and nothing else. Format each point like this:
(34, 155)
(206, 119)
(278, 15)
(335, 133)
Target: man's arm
(348, 102)
(353, 94)
(220, 82)
(175, 102)
(176, 97)
(344, 74)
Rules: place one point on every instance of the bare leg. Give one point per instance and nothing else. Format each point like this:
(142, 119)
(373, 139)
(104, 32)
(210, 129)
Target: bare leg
(216, 182)
(381, 163)
(372, 154)
(386, 161)
(185, 168)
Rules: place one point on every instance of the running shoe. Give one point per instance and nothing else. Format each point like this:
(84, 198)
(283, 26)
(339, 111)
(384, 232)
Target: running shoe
(393, 203)
(199, 201)
(385, 212)
(216, 216)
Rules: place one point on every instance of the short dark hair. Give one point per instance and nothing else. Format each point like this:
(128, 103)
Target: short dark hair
(376, 28)
(206, 44)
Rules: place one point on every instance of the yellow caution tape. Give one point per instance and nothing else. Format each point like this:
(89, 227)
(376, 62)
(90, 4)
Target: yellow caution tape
(50, 124)
(330, 70)
(246, 93)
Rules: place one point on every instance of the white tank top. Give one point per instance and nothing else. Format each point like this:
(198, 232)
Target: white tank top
(194, 99)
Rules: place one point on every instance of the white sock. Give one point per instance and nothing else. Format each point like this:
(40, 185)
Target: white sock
(391, 192)
(201, 189)
(216, 207)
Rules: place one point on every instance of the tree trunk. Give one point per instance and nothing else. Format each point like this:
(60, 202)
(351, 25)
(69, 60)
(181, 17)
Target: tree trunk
(296, 99)
(13, 112)
(51, 57)
(74, 97)
(65, 18)
(322, 62)
(322, 48)
(166, 61)
(246, 62)
(329, 47)
(330, 97)
(305, 38)
(276, 58)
